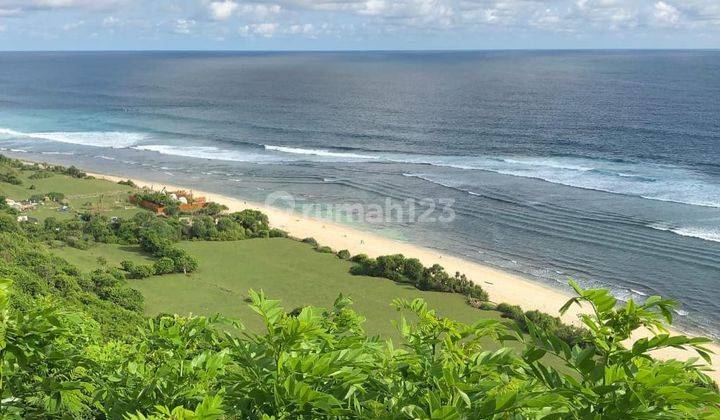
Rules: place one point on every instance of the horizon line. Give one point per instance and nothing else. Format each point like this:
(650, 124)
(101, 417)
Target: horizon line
(356, 50)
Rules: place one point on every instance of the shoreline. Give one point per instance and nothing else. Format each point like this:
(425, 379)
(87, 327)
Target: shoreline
(502, 286)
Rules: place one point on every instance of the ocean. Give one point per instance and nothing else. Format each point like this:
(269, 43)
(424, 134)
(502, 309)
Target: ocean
(603, 166)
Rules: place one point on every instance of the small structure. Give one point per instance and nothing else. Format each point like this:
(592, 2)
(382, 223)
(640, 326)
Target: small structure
(13, 204)
(189, 203)
(27, 206)
(154, 207)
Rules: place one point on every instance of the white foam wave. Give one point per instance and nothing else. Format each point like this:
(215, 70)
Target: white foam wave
(708, 234)
(112, 139)
(318, 152)
(649, 181)
(209, 152)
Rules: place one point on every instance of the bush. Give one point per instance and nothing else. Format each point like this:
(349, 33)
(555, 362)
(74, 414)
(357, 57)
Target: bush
(127, 265)
(128, 182)
(142, 271)
(254, 221)
(361, 259)
(77, 243)
(410, 270)
(278, 233)
(8, 223)
(126, 297)
(55, 196)
(311, 241)
(164, 265)
(568, 333)
(324, 249)
(10, 178)
(343, 254)
(40, 175)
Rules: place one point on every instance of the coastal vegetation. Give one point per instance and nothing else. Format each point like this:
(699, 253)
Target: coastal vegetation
(92, 325)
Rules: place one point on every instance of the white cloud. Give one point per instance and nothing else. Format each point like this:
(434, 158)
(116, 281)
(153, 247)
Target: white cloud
(110, 21)
(184, 26)
(30, 5)
(73, 25)
(222, 10)
(305, 29)
(267, 29)
(258, 11)
(666, 14)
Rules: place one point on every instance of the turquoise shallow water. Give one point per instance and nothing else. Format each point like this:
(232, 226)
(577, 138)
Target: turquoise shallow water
(598, 165)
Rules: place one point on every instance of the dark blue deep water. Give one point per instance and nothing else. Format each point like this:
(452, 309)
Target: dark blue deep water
(603, 166)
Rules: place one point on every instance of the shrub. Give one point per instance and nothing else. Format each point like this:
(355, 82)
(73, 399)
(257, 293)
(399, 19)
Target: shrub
(127, 265)
(128, 182)
(164, 265)
(311, 241)
(324, 249)
(142, 271)
(40, 175)
(8, 223)
(361, 259)
(77, 243)
(10, 178)
(278, 233)
(343, 254)
(126, 297)
(253, 220)
(55, 196)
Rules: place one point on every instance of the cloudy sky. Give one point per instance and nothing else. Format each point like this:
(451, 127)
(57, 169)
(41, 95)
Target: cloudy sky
(357, 24)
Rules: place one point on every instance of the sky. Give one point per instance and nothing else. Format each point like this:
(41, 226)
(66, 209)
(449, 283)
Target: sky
(357, 24)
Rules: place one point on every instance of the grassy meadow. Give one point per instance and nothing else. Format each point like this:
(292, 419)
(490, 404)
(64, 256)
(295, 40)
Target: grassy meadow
(82, 195)
(285, 269)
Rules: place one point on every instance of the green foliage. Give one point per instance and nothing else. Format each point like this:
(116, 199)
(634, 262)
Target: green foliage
(277, 233)
(8, 223)
(254, 221)
(128, 182)
(38, 274)
(164, 265)
(324, 249)
(410, 270)
(10, 177)
(213, 209)
(40, 174)
(318, 363)
(142, 271)
(311, 241)
(5, 208)
(343, 254)
(569, 334)
(55, 196)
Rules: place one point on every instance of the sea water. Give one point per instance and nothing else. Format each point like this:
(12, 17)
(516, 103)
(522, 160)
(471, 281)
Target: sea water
(603, 166)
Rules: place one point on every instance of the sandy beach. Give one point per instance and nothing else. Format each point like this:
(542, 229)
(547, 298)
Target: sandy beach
(501, 285)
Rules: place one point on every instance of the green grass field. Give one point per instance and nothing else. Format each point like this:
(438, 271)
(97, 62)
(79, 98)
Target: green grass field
(285, 269)
(96, 195)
